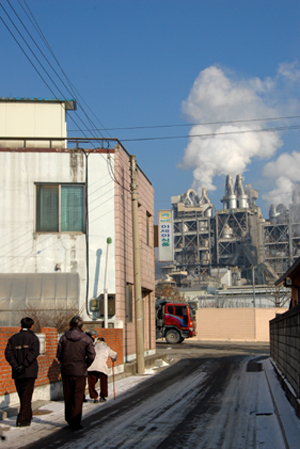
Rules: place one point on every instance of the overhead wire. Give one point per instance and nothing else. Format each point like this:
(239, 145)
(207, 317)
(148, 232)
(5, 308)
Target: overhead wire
(38, 60)
(223, 122)
(53, 93)
(34, 66)
(213, 134)
(93, 126)
(93, 131)
(74, 90)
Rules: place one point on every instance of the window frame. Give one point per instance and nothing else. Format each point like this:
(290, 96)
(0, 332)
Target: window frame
(59, 185)
(129, 302)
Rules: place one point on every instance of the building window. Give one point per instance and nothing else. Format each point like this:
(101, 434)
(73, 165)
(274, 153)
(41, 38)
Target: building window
(60, 208)
(129, 303)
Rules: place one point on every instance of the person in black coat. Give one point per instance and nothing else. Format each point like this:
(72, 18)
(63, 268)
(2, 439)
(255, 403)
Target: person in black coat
(75, 352)
(21, 353)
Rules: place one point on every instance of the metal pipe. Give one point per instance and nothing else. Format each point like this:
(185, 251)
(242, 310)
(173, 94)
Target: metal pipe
(108, 241)
(87, 245)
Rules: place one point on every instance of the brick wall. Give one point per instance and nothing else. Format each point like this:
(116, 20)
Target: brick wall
(49, 367)
(285, 350)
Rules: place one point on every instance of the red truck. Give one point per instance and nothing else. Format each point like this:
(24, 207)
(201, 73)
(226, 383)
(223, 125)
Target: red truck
(174, 321)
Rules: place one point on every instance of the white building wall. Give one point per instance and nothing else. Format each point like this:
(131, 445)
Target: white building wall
(22, 250)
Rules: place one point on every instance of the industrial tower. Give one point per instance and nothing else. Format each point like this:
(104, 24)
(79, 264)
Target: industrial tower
(236, 237)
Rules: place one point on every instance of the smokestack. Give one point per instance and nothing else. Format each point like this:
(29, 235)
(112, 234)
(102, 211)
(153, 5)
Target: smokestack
(205, 203)
(229, 199)
(242, 198)
(273, 213)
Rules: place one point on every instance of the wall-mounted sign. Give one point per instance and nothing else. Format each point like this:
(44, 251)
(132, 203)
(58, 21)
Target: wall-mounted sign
(165, 236)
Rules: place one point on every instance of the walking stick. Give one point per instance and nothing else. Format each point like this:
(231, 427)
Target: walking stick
(113, 372)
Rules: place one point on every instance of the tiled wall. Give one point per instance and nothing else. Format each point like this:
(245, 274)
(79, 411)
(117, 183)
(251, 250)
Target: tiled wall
(124, 250)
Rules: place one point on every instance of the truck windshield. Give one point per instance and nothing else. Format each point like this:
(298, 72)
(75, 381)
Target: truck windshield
(192, 312)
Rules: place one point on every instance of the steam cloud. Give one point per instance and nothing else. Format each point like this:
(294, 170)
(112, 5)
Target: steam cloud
(217, 96)
(286, 171)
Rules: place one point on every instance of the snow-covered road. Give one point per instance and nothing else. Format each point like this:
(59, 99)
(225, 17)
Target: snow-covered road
(204, 403)
(216, 396)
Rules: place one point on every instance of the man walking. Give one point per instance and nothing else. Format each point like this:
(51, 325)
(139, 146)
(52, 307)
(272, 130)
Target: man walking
(99, 370)
(21, 353)
(75, 352)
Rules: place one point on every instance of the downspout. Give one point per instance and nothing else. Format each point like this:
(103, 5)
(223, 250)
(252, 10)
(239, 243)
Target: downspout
(87, 262)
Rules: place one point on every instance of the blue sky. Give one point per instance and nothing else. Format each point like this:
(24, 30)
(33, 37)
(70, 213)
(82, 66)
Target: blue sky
(154, 64)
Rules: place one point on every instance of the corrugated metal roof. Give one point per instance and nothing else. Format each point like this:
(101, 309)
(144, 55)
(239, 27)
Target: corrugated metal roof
(49, 287)
(70, 103)
(20, 292)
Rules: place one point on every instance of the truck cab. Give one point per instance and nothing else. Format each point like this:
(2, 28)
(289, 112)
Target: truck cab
(174, 321)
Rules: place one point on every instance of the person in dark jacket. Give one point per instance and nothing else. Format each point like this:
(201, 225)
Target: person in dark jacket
(21, 353)
(93, 335)
(76, 353)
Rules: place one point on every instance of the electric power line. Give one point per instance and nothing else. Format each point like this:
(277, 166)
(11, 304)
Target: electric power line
(93, 132)
(74, 90)
(224, 122)
(213, 134)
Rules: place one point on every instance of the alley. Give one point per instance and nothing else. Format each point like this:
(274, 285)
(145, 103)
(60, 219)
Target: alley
(205, 402)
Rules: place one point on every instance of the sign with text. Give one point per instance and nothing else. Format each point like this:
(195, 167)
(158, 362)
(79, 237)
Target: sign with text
(165, 236)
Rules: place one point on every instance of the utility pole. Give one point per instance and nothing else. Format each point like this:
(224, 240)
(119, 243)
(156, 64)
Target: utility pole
(139, 306)
(254, 305)
(253, 284)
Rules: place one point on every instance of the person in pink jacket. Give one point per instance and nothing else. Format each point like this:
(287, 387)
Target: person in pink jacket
(99, 370)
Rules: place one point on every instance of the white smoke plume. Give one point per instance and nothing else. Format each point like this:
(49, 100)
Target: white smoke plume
(286, 171)
(217, 96)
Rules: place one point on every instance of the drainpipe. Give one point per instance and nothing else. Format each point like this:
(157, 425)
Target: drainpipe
(87, 256)
(108, 241)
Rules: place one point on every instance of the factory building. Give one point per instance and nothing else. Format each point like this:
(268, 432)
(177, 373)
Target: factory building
(282, 235)
(193, 233)
(236, 240)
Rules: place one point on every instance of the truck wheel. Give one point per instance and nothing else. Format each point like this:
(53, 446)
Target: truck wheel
(172, 336)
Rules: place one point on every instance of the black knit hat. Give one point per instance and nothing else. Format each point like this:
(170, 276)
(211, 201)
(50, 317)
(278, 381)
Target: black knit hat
(92, 333)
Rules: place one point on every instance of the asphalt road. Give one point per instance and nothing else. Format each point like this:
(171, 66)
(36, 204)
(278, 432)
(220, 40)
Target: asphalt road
(211, 396)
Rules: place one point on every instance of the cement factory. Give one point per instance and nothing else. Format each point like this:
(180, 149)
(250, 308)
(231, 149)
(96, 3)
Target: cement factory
(226, 255)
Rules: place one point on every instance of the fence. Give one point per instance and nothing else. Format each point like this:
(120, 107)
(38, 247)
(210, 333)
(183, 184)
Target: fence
(285, 352)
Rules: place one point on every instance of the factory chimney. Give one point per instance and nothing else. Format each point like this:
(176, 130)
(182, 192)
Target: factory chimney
(242, 198)
(229, 199)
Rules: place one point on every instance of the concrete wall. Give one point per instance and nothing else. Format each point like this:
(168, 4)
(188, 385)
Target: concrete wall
(241, 324)
(285, 352)
(26, 251)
